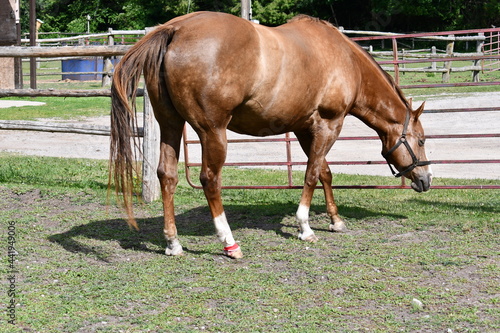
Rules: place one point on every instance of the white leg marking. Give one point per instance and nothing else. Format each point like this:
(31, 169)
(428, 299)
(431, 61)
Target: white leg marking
(303, 219)
(223, 230)
(174, 247)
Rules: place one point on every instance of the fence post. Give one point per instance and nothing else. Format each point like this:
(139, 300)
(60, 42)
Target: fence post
(403, 53)
(151, 153)
(479, 50)
(433, 55)
(246, 9)
(32, 7)
(447, 64)
(395, 56)
(108, 65)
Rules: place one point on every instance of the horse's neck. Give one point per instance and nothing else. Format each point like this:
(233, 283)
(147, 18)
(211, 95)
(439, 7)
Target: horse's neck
(378, 104)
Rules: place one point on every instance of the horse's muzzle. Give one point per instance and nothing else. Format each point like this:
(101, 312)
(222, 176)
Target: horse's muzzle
(422, 183)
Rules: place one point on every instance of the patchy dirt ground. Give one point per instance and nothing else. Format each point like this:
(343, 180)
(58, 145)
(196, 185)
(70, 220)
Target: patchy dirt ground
(363, 278)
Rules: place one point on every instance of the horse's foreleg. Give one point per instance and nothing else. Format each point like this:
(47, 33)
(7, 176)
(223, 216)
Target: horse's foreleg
(214, 147)
(168, 176)
(316, 148)
(337, 224)
(315, 155)
(305, 231)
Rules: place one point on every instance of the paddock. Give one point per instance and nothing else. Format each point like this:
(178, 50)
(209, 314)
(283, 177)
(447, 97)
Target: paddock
(75, 255)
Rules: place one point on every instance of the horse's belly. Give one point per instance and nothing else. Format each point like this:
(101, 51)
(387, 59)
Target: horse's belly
(256, 127)
(254, 119)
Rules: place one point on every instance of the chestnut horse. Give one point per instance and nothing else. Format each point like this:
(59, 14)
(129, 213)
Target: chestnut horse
(218, 72)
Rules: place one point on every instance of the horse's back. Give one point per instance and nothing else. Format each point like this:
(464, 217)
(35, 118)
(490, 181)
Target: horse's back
(254, 73)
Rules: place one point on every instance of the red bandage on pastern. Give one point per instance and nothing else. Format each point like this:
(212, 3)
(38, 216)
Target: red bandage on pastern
(232, 248)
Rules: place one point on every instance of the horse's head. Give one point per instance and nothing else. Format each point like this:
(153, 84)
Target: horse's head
(405, 149)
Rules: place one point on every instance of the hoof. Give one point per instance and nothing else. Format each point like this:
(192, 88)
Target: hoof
(174, 249)
(312, 238)
(337, 227)
(170, 252)
(233, 251)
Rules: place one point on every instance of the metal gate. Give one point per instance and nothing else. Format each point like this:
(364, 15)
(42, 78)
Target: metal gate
(399, 59)
(492, 47)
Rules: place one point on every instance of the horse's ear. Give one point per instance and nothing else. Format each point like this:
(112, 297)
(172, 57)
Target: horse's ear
(410, 102)
(419, 111)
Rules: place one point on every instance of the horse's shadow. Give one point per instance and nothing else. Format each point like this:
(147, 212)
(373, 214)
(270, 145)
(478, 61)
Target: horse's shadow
(275, 217)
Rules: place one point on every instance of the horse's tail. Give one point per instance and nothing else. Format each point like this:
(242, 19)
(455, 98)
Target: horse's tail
(147, 54)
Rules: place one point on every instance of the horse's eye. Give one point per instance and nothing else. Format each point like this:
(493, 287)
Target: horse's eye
(421, 142)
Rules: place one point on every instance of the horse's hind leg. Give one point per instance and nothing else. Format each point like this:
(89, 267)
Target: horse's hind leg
(168, 176)
(171, 127)
(214, 149)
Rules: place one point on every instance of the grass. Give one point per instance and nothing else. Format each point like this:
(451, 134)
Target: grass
(77, 258)
(55, 106)
(64, 108)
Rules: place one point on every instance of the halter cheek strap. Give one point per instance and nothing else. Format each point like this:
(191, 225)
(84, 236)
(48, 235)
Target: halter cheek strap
(402, 140)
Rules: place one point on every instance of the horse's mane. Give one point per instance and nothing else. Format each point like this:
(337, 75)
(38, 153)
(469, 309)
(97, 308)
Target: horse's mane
(393, 83)
(397, 89)
(389, 78)
(303, 17)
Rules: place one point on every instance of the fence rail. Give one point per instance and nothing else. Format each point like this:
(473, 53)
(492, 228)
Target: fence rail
(400, 57)
(63, 51)
(449, 57)
(59, 93)
(106, 38)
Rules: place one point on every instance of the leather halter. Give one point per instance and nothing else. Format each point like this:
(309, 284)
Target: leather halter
(402, 140)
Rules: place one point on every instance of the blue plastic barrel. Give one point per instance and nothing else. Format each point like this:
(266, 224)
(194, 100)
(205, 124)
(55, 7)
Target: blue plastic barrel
(82, 65)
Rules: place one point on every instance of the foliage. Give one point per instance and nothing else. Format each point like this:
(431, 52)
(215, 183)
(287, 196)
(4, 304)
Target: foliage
(384, 15)
(431, 15)
(274, 12)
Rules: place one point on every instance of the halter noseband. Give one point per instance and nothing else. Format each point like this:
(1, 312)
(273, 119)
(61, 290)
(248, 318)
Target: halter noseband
(402, 140)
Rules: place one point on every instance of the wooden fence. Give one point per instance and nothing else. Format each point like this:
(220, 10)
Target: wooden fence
(150, 130)
(112, 37)
(445, 53)
(492, 47)
(431, 55)
(124, 38)
(399, 61)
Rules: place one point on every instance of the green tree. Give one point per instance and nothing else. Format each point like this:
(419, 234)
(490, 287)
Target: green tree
(274, 12)
(384, 15)
(71, 15)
